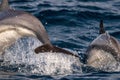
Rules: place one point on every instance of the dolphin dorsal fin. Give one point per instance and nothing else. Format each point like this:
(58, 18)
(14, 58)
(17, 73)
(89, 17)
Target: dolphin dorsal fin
(4, 5)
(102, 30)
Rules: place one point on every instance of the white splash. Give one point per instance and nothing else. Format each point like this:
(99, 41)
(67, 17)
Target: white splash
(22, 52)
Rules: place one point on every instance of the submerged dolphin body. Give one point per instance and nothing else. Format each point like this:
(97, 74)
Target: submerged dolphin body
(104, 50)
(15, 24)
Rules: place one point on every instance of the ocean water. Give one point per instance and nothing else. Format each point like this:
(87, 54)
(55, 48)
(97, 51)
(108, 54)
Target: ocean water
(70, 24)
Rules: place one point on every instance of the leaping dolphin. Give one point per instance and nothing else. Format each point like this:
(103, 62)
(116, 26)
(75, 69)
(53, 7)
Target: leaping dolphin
(104, 49)
(15, 24)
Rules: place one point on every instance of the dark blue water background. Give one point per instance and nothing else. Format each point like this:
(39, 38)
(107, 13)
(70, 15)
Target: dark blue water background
(72, 24)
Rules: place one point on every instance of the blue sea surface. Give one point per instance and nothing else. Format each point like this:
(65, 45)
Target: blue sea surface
(71, 24)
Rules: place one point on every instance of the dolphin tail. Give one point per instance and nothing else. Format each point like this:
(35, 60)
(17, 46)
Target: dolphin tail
(102, 30)
(48, 48)
(4, 5)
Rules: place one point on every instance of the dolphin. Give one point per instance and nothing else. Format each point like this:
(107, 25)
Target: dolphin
(15, 24)
(103, 50)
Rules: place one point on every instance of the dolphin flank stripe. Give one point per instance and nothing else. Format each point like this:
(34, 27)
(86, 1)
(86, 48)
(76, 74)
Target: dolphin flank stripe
(104, 48)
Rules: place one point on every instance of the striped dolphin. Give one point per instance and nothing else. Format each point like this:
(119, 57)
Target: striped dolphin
(15, 24)
(103, 50)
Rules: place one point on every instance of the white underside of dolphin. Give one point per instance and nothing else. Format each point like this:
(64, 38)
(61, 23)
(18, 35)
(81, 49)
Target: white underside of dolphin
(9, 34)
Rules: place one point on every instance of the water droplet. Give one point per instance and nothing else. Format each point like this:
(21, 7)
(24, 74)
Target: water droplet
(46, 23)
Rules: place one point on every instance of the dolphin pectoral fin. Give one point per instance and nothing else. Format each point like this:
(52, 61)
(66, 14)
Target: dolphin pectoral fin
(57, 49)
(47, 48)
(102, 30)
(43, 48)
